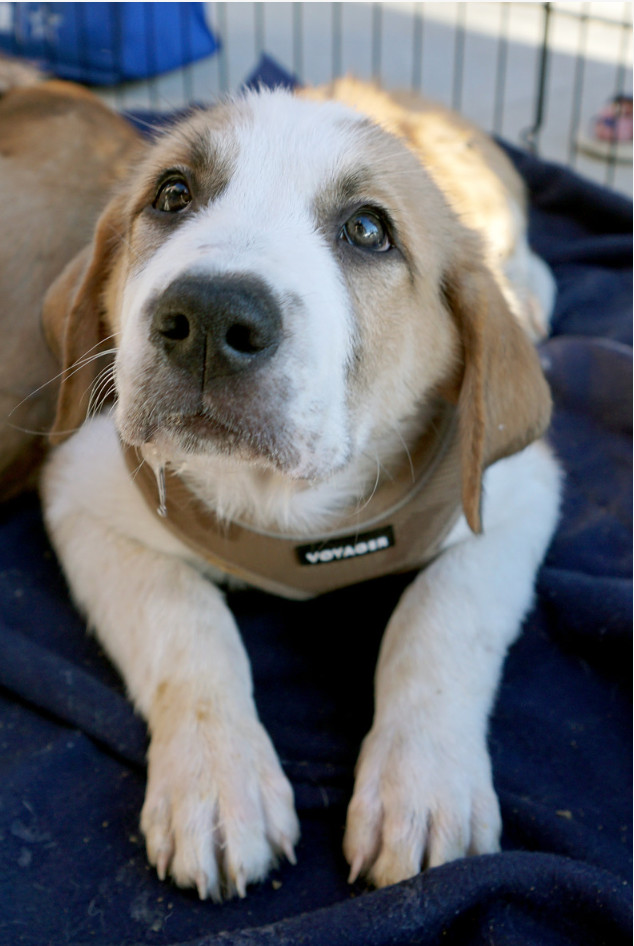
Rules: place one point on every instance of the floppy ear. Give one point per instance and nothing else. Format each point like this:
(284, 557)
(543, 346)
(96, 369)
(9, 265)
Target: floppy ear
(503, 398)
(75, 324)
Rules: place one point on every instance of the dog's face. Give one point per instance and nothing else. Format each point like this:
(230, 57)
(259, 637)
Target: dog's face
(286, 286)
(265, 293)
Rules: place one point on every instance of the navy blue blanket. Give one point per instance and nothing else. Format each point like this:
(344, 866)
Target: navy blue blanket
(72, 861)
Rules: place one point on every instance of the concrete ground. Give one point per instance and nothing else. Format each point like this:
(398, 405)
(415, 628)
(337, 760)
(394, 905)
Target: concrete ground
(482, 58)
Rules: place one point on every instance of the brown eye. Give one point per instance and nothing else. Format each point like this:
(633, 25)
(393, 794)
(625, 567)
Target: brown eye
(173, 195)
(366, 230)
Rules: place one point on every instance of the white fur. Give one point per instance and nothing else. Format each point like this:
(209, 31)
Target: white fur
(533, 283)
(423, 788)
(218, 808)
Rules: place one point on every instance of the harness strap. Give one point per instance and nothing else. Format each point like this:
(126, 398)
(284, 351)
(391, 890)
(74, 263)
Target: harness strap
(399, 529)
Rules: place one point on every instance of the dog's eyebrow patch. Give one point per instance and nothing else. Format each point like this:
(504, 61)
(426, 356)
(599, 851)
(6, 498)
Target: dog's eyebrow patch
(210, 163)
(339, 195)
(190, 148)
(351, 186)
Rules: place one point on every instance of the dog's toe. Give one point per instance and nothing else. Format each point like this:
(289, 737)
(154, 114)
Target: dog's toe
(414, 808)
(218, 811)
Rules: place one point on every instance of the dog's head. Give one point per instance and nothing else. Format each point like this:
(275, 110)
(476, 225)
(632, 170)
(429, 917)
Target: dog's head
(284, 284)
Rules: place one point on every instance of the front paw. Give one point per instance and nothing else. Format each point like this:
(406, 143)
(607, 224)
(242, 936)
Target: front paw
(218, 809)
(418, 803)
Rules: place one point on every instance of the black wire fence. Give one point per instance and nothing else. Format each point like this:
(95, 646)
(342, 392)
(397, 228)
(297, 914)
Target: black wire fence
(536, 74)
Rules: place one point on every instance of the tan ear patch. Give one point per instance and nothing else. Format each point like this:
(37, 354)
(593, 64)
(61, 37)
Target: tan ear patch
(76, 324)
(503, 398)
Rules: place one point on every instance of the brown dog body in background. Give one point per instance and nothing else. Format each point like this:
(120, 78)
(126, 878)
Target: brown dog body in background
(61, 151)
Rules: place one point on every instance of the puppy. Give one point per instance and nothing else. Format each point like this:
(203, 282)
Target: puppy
(312, 372)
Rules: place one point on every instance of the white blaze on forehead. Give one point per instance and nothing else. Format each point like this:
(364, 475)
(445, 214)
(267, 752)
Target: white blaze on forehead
(290, 146)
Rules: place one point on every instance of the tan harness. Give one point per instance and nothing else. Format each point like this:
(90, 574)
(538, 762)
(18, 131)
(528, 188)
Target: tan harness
(400, 528)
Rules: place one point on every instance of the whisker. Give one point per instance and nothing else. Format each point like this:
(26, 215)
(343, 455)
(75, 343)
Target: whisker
(84, 361)
(134, 473)
(123, 239)
(134, 118)
(408, 455)
(102, 387)
(99, 394)
(92, 348)
(42, 433)
(360, 509)
(100, 405)
(81, 362)
(105, 371)
(28, 430)
(111, 351)
(380, 470)
(98, 401)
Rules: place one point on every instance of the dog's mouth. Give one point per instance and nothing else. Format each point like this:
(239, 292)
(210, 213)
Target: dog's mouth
(202, 427)
(255, 427)
(178, 436)
(199, 432)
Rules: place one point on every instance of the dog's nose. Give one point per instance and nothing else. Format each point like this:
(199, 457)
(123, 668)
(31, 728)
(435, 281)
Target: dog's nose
(213, 327)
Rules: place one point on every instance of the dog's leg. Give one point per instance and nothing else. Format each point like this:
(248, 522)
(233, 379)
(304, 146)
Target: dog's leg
(218, 808)
(424, 793)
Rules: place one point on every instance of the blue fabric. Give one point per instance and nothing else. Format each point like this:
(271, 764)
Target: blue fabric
(72, 861)
(107, 43)
(268, 73)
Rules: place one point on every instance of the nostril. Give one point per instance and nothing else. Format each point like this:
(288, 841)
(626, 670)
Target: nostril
(244, 339)
(213, 327)
(175, 327)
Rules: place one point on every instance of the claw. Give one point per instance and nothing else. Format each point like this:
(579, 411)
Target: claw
(355, 868)
(241, 884)
(288, 851)
(202, 885)
(162, 863)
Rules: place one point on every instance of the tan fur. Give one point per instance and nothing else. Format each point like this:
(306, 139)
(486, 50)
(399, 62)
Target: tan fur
(75, 319)
(61, 150)
(504, 401)
(474, 174)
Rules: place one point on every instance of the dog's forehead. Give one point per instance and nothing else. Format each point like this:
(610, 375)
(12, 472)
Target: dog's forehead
(281, 131)
(274, 139)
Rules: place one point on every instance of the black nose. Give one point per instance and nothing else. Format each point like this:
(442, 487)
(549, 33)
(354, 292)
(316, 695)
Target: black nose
(213, 327)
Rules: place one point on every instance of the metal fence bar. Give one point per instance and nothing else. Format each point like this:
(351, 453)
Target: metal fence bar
(298, 39)
(458, 60)
(377, 24)
(187, 84)
(259, 29)
(223, 59)
(619, 89)
(578, 89)
(501, 70)
(337, 32)
(417, 48)
(530, 136)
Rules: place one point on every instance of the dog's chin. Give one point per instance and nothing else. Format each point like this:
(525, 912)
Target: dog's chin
(180, 438)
